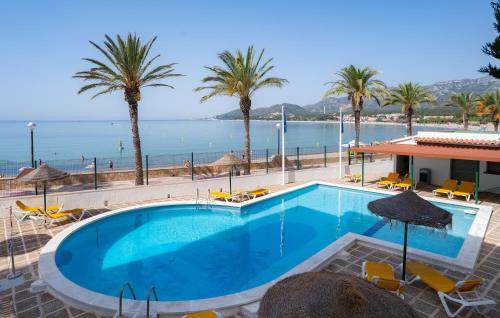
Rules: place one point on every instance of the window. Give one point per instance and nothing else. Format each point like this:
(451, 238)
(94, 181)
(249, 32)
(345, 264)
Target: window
(493, 167)
(463, 170)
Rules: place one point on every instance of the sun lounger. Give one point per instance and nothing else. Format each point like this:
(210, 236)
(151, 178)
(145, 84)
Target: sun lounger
(465, 291)
(382, 274)
(203, 314)
(28, 211)
(353, 177)
(257, 192)
(228, 197)
(405, 184)
(466, 190)
(75, 214)
(448, 187)
(392, 178)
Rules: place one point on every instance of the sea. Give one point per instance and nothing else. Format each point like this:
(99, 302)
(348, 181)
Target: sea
(64, 140)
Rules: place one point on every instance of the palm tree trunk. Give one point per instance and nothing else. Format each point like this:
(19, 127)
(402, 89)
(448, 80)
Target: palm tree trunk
(495, 125)
(245, 105)
(409, 115)
(357, 123)
(466, 120)
(132, 106)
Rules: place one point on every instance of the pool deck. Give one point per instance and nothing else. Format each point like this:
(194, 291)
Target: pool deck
(31, 236)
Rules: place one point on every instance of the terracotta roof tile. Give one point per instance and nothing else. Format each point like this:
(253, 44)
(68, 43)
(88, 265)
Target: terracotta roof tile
(458, 141)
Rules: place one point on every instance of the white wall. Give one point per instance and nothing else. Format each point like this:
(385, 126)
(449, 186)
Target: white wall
(92, 198)
(441, 170)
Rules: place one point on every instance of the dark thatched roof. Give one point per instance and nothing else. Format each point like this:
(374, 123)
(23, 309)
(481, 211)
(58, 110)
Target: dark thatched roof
(330, 295)
(409, 207)
(44, 173)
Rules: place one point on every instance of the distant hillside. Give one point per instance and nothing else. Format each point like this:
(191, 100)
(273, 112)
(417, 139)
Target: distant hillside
(271, 112)
(441, 90)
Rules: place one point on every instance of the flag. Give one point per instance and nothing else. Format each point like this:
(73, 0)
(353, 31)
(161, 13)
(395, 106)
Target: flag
(341, 123)
(284, 121)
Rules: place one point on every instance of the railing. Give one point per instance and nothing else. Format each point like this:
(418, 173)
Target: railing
(151, 290)
(120, 304)
(93, 173)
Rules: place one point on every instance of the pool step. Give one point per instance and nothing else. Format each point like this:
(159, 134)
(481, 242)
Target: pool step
(134, 315)
(374, 229)
(250, 310)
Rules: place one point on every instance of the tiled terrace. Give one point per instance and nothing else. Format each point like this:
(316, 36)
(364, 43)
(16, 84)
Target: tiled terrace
(31, 236)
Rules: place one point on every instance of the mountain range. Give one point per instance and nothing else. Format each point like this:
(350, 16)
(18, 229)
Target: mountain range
(440, 90)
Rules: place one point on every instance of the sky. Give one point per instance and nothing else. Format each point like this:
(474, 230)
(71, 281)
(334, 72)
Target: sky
(43, 43)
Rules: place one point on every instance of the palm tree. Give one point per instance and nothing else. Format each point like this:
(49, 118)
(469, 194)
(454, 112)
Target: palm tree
(466, 102)
(408, 95)
(240, 75)
(489, 104)
(128, 69)
(358, 84)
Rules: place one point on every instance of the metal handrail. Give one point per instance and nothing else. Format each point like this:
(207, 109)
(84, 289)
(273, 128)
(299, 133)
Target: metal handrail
(152, 289)
(120, 307)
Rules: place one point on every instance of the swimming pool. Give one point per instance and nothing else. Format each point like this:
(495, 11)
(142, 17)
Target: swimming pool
(191, 252)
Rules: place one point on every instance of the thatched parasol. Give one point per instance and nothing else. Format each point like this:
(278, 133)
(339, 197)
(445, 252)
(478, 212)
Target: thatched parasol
(43, 174)
(331, 295)
(409, 208)
(228, 159)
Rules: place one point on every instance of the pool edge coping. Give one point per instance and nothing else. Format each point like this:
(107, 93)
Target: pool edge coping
(82, 298)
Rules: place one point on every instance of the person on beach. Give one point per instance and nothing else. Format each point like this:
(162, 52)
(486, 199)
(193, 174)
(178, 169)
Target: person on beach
(83, 157)
(110, 163)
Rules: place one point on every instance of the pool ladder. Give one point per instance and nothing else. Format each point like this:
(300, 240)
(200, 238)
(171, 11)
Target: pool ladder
(151, 291)
(199, 205)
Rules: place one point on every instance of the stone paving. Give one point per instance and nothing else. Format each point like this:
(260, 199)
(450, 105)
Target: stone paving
(30, 236)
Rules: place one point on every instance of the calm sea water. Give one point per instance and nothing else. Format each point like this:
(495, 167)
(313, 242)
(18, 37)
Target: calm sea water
(70, 139)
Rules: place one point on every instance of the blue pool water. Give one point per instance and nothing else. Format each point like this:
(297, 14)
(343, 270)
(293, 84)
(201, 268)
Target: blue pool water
(190, 254)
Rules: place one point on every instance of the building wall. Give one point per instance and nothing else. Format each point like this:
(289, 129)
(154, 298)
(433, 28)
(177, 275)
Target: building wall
(440, 171)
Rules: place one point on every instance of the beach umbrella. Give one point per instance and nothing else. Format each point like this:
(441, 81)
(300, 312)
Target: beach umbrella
(43, 174)
(228, 159)
(409, 208)
(332, 295)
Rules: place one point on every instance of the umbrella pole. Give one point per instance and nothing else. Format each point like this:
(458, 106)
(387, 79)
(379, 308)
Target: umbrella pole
(45, 196)
(404, 251)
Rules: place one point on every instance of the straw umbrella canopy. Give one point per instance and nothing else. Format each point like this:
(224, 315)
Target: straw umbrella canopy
(228, 159)
(43, 174)
(331, 295)
(409, 208)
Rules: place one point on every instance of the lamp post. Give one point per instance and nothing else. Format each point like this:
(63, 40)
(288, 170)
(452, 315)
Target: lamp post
(278, 126)
(31, 127)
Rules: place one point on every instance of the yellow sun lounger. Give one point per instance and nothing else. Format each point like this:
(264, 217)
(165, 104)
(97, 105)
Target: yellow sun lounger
(353, 177)
(466, 290)
(448, 187)
(392, 178)
(257, 192)
(75, 214)
(405, 184)
(34, 211)
(382, 274)
(203, 314)
(466, 190)
(228, 197)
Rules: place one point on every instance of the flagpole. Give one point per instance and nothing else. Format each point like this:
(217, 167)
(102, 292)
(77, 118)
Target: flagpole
(340, 141)
(283, 144)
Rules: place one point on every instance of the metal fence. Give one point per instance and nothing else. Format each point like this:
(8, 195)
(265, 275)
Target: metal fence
(108, 171)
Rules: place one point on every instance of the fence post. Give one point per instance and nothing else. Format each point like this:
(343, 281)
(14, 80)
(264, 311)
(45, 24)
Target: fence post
(36, 184)
(371, 154)
(192, 166)
(95, 173)
(147, 169)
(325, 156)
(298, 159)
(267, 161)
(230, 181)
(348, 154)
